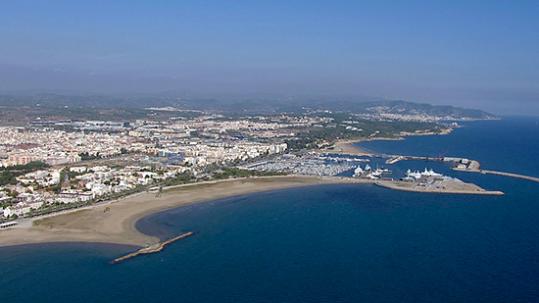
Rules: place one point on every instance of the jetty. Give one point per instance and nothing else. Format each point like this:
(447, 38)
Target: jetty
(506, 174)
(392, 159)
(439, 187)
(461, 164)
(155, 248)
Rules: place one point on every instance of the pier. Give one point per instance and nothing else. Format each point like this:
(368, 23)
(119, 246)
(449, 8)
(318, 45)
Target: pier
(462, 164)
(513, 175)
(152, 248)
(392, 159)
(474, 167)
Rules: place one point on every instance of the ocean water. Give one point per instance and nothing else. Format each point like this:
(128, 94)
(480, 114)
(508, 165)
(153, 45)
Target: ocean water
(508, 145)
(338, 243)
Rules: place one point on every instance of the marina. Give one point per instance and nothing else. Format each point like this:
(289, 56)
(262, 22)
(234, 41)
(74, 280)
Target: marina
(306, 164)
(340, 165)
(459, 164)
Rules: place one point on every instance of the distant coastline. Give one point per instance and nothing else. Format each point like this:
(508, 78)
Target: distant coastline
(350, 146)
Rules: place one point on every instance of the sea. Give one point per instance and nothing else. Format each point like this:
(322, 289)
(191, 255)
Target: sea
(330, 243)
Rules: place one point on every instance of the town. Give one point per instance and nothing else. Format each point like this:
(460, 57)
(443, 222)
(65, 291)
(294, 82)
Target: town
(49, 165)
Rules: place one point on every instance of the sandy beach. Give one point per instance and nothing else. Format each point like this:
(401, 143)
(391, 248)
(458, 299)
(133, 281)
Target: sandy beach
(348, 147)
(114, 222)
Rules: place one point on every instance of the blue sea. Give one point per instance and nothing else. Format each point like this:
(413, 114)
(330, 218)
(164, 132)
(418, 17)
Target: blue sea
(338, 243)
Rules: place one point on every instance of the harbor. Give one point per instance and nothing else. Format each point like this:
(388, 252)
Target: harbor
(421, 181)
(458, 164)
(370, 169)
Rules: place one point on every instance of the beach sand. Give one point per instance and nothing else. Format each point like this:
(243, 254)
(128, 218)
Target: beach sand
(114, 222)
(348, 147)
(351, 146)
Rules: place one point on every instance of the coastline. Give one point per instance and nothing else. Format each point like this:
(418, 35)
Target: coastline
(114, 222)
(350, 147)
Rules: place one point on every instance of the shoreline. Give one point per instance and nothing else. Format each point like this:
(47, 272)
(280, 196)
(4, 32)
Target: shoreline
(350, 147)
(114, 222)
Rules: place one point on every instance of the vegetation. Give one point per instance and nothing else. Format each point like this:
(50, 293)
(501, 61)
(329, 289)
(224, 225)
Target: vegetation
(7, 177)
(26, 168)
(234, 172)
(182, 178)
(86, 156)
(337, 131)
(8, 174)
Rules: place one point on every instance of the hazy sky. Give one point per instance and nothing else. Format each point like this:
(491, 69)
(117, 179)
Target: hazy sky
(477, 53)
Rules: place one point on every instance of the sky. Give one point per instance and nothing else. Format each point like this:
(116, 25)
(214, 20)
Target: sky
(482, 54)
